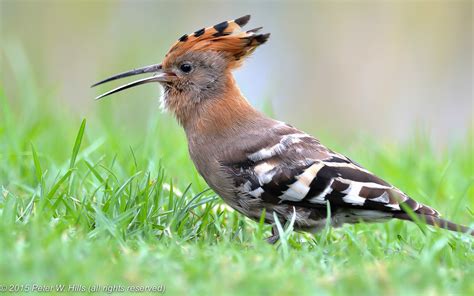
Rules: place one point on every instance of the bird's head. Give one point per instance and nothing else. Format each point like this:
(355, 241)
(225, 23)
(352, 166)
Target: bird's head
(198, 66)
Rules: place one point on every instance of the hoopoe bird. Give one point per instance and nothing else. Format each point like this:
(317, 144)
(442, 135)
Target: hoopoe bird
(256, 163)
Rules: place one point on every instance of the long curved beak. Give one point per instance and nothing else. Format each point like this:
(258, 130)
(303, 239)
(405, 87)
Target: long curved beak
(159, 76)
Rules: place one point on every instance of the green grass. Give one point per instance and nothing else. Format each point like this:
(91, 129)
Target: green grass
(96, 204)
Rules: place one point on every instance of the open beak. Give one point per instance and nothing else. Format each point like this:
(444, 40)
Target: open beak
(160, 76)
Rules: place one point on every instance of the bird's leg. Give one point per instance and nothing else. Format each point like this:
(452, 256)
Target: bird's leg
(274, 237)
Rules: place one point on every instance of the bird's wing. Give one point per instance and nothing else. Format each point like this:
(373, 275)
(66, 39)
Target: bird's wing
(296, 169)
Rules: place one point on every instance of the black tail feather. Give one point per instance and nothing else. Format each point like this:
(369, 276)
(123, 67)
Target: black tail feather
(437, 222)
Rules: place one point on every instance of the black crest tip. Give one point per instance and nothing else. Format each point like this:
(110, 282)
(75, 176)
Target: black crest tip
(199, 32)
(242, 21)
(220, 27)
(262, 38)
(255, 30)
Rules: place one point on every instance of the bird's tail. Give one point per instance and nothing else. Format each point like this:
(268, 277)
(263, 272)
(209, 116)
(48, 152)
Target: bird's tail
(437, 222)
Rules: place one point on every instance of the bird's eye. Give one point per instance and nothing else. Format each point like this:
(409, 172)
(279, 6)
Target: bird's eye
(186, 67)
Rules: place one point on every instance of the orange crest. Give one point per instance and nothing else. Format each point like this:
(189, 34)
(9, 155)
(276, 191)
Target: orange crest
(226, 37)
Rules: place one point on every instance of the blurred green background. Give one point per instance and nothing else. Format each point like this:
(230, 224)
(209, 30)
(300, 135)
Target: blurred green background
(118, 200)
(343, 67)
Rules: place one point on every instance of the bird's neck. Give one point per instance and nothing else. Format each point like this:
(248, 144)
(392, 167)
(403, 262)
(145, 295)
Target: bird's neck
(223, 114)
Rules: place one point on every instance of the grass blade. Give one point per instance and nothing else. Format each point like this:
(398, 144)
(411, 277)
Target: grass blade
(77, 144)
(38, 170)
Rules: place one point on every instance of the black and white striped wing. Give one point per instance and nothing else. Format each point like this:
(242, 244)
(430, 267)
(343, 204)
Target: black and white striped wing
(293, 175)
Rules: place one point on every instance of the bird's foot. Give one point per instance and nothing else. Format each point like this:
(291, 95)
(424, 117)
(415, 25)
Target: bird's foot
(274, 237)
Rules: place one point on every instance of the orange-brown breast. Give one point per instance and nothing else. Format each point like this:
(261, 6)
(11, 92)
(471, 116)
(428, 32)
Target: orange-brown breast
(224, 114)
